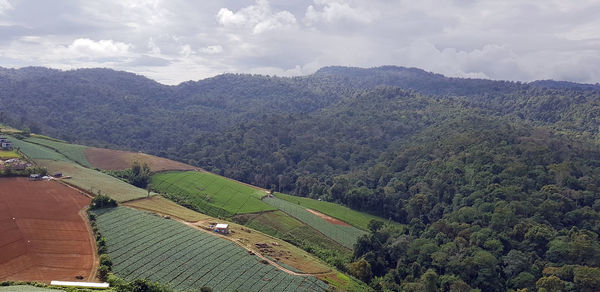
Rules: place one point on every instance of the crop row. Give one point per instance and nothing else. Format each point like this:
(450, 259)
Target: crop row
(343, 234)
(183, 258)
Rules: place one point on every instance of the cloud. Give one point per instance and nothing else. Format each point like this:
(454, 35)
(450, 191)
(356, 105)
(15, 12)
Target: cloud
(4, 6)
(149, 61)
(335, 11)
(212, 49)
(98, 49)
(260, 17)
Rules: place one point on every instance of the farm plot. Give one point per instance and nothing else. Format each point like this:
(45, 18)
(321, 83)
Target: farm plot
(142, 245)
(73, 152)
(43, 237)
(161, 205)
(118, 160)
(344, 234)
(355, 218)
(8, 154)
(94, 181)
(211, 194)
(35, 151)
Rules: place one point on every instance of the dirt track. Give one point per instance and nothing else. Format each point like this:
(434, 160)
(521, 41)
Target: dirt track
(44, 236)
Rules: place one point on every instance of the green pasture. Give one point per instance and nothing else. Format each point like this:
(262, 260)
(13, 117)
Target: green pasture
(209, 192)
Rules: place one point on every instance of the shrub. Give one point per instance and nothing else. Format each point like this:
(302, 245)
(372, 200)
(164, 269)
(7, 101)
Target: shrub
(102, 201)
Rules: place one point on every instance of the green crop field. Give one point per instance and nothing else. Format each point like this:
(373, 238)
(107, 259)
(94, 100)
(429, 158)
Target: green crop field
(345, 235)
(35, 151)
(27, 288)
(72, 151)
(281, 225)
(93, 181)
(355, 218)
(8, 154)
(142, 245)
(209, 193)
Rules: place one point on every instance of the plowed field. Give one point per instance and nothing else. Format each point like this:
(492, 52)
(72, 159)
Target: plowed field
(116, 160)
(44, 237)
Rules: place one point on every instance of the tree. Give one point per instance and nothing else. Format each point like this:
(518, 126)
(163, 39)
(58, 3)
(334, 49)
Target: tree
(550, 284)
(375, 225)
(430, 280)
(587, 279)
(361, 269)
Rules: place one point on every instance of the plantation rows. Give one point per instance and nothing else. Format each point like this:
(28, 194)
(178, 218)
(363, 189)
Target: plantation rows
(230, 196)
(142, 245)
(344, 235)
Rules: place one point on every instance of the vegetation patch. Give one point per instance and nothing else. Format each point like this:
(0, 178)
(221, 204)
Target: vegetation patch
(9, 154)
(161, 205)
(94, 181)
(344, 235)
(210, 193)
(355, 218)
(141, 245)
(35, 151)
(73, 152)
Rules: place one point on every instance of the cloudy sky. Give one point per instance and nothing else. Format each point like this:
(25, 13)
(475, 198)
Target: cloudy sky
(177, 40)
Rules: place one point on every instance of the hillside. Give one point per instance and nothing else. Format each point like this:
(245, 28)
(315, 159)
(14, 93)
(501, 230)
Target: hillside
(496, 182)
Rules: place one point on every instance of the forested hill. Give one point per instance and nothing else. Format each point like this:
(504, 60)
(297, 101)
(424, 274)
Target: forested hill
(497, 182)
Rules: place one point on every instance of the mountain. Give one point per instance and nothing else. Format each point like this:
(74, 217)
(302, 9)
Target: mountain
(496, 182)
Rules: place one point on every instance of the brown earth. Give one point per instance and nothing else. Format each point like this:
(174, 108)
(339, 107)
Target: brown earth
(108, 159)
(44, 234)
(328, 218)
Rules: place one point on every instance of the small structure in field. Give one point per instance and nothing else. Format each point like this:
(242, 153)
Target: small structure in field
(35, 176)
(222, 228)
(58, 174)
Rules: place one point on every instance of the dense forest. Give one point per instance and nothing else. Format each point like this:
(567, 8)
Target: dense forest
(496, 184)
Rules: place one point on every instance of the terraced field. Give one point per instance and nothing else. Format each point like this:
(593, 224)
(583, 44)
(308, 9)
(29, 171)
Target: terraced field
(94, 181)
(357, 219)
(35, 151)
(342, 233)
(73, 152)
(211, 194)
(109, 159)
(146, 246)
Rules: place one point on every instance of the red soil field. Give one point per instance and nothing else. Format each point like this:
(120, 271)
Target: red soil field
(44, 235)
(108, 159)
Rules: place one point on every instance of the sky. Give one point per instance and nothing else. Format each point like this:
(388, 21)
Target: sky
(173, 41)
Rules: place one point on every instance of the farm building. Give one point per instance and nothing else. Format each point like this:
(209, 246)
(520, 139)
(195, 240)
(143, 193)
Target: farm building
(35, 177)
(6, 145)
(222, 228)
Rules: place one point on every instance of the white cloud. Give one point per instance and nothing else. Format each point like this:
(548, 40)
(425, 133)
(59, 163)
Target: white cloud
(186, 51)
(260, 17)
(98, 49)
(334, 11)
(5, 6)
(212, 49)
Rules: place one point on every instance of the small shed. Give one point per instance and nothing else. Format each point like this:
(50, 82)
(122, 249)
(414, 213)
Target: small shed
(222, 228)
(35, 176)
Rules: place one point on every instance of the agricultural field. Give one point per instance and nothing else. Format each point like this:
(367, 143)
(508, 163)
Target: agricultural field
(94, 181)
(73, 152)
(284, 253)
(142, 245)
(34, 151)
(108, 159)
(27, 288)
(44, 237)
(212, 194)
(9, 154)
(339, 231)
(160, 205)
(357, 219)
(281, 225)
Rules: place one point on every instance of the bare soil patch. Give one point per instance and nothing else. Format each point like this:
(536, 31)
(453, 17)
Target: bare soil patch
(44, 237)
(328, 218)
(108, 159)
